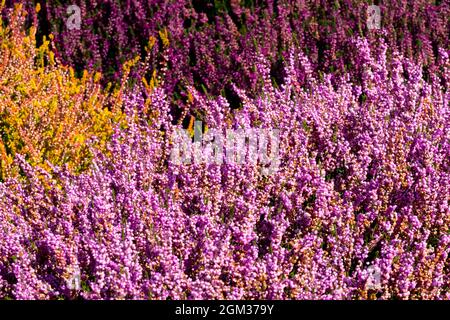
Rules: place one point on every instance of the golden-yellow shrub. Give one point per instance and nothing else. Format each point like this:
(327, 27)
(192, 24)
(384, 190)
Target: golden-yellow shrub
(46, 112)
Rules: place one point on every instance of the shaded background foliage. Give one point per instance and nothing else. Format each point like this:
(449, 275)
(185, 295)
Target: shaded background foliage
(213, 43)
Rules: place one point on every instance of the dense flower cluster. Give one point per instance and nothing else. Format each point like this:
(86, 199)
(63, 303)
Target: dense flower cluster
(211, 43)
(359, 207)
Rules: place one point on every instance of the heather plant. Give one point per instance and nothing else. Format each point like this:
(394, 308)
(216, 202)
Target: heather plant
(209, 44)
(359, 208)
(46, 112)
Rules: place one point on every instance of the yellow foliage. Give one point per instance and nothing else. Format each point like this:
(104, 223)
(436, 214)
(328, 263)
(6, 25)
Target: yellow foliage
(164, 35)
(151, 43)
(46, 113)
